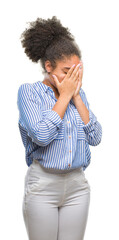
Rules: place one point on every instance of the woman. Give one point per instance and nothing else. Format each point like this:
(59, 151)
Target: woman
(57, 126)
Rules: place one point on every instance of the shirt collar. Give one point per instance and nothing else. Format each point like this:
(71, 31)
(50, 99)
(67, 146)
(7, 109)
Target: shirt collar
(43, 86)
(46, 89)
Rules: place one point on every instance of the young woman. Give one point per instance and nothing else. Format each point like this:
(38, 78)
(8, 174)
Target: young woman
(57, 126)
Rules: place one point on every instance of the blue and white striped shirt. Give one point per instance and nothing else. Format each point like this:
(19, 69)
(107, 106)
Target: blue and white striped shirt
(56, 143)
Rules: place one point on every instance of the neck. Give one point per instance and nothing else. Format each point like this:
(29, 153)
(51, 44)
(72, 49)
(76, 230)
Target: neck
(48, 82)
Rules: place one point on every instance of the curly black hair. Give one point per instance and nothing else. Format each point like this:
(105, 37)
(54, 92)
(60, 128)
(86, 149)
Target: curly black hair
(48, 40)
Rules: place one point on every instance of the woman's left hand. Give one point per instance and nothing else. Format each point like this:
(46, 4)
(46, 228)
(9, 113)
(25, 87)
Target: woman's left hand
(76, 93)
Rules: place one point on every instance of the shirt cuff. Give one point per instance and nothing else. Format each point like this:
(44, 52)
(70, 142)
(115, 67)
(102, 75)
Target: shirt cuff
(89, 127)
(54, 118)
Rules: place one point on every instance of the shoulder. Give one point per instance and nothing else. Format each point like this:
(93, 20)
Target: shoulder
(27, 89)
(24, 87)
(28, 92)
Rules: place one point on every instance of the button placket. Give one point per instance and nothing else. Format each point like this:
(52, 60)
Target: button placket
(69, 143)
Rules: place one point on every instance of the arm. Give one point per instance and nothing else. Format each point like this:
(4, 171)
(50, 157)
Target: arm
(92, 127)
(61, 105)
(82, 109)
(41, 126)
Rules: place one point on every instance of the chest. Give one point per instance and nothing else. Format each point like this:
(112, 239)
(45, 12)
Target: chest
(71, 122)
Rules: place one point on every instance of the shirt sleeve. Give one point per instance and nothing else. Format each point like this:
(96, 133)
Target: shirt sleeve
(42, 126)
(93, 128)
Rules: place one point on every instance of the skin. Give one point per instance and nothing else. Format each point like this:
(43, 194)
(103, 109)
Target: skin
(60, 72)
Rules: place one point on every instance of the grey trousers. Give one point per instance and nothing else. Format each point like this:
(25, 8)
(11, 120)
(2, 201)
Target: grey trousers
(55, 204)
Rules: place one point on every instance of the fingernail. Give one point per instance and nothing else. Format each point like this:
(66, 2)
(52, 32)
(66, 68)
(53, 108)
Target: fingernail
(73, 65)
(78, 65)
(53, 76)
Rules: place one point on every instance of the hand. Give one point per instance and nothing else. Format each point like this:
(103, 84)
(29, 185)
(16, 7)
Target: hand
(79, 84)
(69, 83)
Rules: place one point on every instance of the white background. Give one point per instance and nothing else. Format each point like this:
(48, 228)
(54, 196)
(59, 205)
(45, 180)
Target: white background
(95, 25)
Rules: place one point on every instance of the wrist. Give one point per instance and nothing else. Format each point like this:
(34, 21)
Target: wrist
(65, 97)
(77, 97)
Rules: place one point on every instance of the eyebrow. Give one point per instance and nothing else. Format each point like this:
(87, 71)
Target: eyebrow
(66, 68)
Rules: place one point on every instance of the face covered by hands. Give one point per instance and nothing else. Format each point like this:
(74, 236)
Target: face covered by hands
(61, 74)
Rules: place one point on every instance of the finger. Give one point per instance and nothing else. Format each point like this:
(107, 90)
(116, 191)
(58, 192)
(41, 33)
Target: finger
(75, 76)
(81, 66)
(80, 73)
(70, 71)
(78, 85)
(76, 70)
(56, 82)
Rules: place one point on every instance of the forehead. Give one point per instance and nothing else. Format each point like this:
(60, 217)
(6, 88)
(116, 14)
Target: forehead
(67, 62)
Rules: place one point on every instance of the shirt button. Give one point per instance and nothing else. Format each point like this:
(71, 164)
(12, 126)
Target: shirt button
(69, 150)
(69, 165)
(69, 136)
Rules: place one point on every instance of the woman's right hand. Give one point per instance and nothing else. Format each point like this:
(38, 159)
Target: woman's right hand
(69, 84)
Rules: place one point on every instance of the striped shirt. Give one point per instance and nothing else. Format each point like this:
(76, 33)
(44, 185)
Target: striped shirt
(56, 143)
